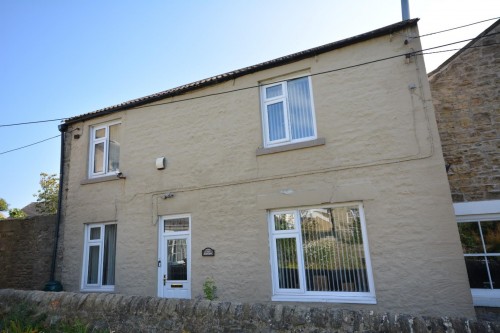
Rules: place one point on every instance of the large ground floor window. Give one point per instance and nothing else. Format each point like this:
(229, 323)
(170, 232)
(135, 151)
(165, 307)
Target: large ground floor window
(321, 254)
(479, 229)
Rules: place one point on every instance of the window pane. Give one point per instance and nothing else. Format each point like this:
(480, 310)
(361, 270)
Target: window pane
(99, 157)
(176, 259)
(476, 270)
(276, 121)
(300, 109)
(286, 254)
(100, 133)
(114, 148)
(108, 270)
(491, 236)
(470, 237)
(284, 222)
(333, 250)
(494, 266)
(95, 233)
(180, 224)
(93, 267)
(274, 91)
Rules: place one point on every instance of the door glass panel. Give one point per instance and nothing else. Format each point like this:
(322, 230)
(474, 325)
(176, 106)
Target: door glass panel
(491, 235)
(288, 275)
(180, 224)
(177, 259)
(99, 157)
(470, 237)
(93, 268)
(284, 222)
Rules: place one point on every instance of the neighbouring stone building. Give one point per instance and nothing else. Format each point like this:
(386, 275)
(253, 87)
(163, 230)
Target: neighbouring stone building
(466, 95)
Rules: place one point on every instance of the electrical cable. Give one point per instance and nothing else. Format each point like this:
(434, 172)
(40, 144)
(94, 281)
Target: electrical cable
(32, 122)
(31, 144)
(432, 33)
(455, 28)
(419, 52)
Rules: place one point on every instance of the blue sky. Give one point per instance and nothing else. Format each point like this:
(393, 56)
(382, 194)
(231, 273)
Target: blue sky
(63, 58)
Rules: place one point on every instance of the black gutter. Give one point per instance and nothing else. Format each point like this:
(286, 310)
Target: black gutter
(54, 285)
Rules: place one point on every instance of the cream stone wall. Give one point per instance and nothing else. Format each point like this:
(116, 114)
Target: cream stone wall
(381, 148)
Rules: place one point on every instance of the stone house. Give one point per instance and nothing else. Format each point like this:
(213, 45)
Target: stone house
(466, 95)
(316, 177)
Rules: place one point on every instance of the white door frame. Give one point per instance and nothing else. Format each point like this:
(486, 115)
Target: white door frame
(162, 259)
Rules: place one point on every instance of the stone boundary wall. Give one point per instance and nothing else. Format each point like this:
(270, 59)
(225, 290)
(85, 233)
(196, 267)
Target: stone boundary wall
(120, 313)
(26, 248)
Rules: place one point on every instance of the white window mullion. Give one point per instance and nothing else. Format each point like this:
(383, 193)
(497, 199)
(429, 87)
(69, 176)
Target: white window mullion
(101, 257)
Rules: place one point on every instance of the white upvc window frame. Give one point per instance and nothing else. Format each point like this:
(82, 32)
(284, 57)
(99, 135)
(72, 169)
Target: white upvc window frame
(301, 294)
(92, 149)
(98, 287)
(265, 102)
(480, 211)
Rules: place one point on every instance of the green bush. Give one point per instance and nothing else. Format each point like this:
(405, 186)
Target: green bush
(210, 289)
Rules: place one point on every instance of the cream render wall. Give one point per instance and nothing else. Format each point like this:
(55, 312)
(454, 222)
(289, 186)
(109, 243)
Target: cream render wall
(381, 148)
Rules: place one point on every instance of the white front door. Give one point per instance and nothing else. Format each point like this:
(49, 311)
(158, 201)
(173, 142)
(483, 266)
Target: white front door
(174, 257)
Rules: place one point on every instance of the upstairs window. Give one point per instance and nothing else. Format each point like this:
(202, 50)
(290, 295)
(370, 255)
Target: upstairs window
(288, 112)
(104, 150)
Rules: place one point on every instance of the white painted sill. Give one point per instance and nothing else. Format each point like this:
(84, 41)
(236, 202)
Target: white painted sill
(98, 290)
(100, 179)
(330, 299)
(291, 146)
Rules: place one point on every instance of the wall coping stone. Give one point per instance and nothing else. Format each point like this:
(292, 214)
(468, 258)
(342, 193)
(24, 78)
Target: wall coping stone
(126, 313)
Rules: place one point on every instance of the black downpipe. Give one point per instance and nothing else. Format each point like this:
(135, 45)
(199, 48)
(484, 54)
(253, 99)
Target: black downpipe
(54, 285)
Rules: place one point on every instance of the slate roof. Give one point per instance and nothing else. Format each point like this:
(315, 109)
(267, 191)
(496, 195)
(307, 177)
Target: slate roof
(244, 71)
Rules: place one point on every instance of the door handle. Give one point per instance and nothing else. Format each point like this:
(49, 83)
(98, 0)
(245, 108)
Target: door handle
(164, 279)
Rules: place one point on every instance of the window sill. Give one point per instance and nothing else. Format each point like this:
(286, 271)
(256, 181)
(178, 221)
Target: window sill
(291, 146)
(98, 290)
(100, 179)
(486, 297)
(326, 299)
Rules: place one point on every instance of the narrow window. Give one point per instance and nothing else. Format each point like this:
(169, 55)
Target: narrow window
(321, 254)
(99, 257)
(288, 113)
(104, 150)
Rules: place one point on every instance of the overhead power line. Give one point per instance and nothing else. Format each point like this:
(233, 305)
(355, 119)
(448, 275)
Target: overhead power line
(418, 52)
(31, 144)
(455, 28)
(32, 122)
(432, 33)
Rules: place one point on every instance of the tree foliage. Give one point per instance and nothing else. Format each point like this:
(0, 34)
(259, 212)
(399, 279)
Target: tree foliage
(48, 195)
(16, 213)
(3, 205)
